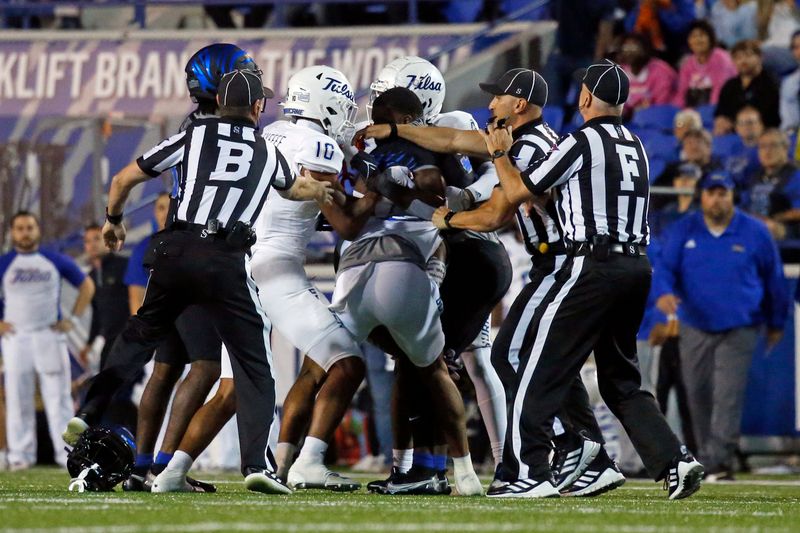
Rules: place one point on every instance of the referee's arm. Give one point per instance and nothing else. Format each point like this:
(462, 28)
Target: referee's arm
(121, 186)
(560, 164)
(492, 215)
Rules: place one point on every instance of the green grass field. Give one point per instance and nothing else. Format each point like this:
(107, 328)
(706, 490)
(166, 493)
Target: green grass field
(37, 500)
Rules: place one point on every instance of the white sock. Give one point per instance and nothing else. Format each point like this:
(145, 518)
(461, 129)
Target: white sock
(462, 466)
(180, 462)
(313, 451)
(403, 459)
(284, 455)
(497, 452)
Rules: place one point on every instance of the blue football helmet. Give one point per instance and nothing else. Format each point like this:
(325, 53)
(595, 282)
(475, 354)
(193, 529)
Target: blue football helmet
(206, 67)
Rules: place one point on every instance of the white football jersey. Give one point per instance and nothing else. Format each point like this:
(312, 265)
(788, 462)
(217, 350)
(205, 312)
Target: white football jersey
(286, 225)
(31, 287)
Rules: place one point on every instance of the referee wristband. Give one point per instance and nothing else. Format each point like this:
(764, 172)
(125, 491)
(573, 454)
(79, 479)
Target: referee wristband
(114, 219)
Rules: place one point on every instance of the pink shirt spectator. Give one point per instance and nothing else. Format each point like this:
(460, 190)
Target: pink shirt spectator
(654, 85)
(700, 84)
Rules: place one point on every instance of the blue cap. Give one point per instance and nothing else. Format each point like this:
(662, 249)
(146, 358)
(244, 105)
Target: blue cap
(718, 178)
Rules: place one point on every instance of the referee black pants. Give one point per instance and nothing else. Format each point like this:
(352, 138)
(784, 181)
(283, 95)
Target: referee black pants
(576, 413)
(190, 270)
(592, 306)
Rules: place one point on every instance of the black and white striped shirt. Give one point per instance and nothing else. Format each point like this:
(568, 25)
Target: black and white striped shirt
(225, 170)
(601, 176)
(532, 142)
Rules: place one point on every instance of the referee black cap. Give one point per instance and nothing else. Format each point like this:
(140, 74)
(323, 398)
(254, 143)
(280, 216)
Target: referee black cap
(520, 82)
(607, 81)
(241, 88)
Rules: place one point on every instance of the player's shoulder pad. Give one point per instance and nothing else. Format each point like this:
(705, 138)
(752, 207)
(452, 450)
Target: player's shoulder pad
(460, 120)
(319, 153)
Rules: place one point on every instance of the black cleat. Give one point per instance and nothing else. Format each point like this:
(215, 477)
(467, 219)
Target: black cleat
(684, 475)
(201, 486)
(379, 486)
(601, 476)
(138, 483)
(573, 454)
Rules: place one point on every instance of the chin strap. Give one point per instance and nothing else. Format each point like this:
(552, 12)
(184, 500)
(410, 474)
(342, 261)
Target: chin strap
(79, 483)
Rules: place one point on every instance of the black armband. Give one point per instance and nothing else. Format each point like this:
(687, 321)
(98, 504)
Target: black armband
(114, 219)
(393, 130)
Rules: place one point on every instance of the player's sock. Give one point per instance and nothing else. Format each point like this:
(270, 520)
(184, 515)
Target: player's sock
(313, 451)
(462, 465)
(143, 463)
(439, 462)
(180, 462)
(163, 458)
(497, 452)
(403, 459)
(423, 459)
(284, 455)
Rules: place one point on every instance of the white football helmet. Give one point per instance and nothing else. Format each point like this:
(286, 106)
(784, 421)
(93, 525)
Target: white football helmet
(324, 94)
(413, 73)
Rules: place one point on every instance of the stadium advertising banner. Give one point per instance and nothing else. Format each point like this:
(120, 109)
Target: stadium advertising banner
(145, 76)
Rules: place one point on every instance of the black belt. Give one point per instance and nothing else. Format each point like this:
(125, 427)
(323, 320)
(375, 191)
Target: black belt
(204, 231)
(628, 249)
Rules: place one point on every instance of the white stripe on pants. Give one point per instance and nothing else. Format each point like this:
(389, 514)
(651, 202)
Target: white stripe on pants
(527, 373)
(27, 355)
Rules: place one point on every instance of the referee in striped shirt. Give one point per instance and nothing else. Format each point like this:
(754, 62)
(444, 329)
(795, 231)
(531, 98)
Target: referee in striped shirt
(202, 257)
(600, 177)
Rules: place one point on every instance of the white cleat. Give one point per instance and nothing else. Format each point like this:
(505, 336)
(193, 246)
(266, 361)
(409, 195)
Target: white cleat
(171, 481)
(526, 488)
(317, 476)
(468, 484)
(75, 428)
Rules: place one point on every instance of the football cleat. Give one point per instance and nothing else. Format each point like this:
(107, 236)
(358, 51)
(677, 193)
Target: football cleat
(265, 481)
(444, 484)
(684, 475)
(75, 428)
(418, 480)
(468, 484)
(573, 455)
(543, 487)
(379, 485)
(138, 483)
(317, 476)
(601, 476)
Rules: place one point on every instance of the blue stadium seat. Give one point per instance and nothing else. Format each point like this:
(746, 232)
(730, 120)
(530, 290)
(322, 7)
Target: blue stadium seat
(657, 144)
(554, 116)
(792, 144)
(707, 114)
(726, 145)
(657, 117)
(657, 166)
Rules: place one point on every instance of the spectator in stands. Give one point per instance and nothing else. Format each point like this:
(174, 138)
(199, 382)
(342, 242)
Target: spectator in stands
(774, 193)
(740, 155)
(790, 90)
(664, 23)
(110, 308)
(695, 149)
(685, 120)
(703, 73)
(721, 273)
(734, 21)
(777, 22)
(579, 41)
(753, 86)
(675, 207)
(652, 81)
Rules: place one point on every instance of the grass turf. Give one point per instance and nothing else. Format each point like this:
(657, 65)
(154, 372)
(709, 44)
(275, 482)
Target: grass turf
(38, 500)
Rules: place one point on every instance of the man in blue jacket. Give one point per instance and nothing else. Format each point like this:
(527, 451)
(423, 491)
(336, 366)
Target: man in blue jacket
(720, 272)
